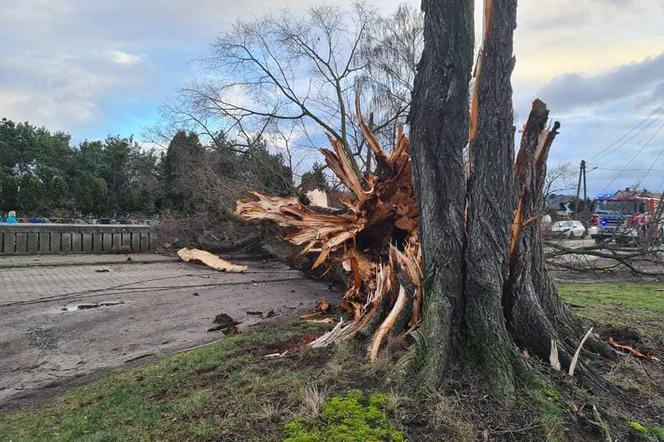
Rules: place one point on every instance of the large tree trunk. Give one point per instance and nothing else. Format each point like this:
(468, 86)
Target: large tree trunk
(485, 293)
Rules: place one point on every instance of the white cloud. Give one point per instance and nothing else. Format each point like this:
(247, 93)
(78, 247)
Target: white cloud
(60, 90)
(124, 58)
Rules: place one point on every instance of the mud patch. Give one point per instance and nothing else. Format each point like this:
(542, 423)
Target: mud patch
(225, 324)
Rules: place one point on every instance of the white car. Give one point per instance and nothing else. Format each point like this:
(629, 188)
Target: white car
(568, 229)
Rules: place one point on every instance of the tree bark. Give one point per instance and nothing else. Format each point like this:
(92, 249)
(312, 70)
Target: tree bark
(534, 312)
(489, 200)
(439, 131)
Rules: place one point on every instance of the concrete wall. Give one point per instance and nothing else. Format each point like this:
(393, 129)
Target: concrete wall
(39, 239)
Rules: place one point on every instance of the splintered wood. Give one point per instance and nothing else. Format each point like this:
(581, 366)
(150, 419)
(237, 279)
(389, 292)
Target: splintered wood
(628, 349)
(210, 260)
(376, 239)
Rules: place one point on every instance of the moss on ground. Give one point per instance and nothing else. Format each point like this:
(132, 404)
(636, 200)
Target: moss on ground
(352, 417)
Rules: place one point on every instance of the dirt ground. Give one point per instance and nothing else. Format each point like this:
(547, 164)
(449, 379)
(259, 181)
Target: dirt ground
(69, 319)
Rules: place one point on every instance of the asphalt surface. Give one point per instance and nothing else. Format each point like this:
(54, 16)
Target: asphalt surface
(69, 319)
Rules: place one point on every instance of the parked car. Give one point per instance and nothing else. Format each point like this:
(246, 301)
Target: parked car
(568, 229)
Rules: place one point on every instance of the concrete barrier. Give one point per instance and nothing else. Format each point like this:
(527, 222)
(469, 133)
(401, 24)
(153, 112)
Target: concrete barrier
(39, 239)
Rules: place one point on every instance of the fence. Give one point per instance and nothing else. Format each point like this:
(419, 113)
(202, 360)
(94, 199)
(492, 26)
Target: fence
(39, 239)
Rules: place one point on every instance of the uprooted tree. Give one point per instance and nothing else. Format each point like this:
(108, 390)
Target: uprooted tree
(448, 243)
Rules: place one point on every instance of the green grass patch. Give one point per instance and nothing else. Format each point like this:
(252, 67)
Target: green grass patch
(542, 402)
(656, 432)
(637, 305)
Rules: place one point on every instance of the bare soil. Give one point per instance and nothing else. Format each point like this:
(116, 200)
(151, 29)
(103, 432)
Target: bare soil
(65, 324)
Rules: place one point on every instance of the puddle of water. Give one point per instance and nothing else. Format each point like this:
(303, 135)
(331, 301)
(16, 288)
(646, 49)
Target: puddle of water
(89, 306)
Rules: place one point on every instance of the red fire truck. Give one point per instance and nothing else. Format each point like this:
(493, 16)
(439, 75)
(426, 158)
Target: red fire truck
(627, 216)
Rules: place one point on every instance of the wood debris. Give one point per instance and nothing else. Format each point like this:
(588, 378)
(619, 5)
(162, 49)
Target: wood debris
(206, 258)
(575, 359)
(376, 238)
(554, 361)
(628, 349)
(311, 315)
(225, 324)
(322, 321)
(276, 355)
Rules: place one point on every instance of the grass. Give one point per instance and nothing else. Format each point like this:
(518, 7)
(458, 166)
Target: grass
(227, 388)
(229, 391)
(636, 305)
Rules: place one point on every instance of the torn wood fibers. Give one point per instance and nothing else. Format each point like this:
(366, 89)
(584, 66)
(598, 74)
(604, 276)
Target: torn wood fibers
(375, 238)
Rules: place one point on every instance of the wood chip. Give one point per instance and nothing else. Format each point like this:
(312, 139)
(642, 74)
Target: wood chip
(628, 349)
(322, 321)
(210, 260)
(277, 355)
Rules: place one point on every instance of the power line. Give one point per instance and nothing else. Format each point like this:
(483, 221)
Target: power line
(661, 189)
(613, 146)
(634, 157)
(659, 155)
(635, 142)
(626, 170)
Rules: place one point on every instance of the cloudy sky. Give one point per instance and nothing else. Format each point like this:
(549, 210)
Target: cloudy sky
(95, 68)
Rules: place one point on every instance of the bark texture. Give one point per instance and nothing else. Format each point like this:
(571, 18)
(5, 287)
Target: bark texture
(440, 124)
(534, 312)
(490, 202)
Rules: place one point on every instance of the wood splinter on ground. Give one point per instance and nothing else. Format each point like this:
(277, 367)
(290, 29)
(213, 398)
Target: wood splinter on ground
(321, 321)
(629, 349)
(322, 307)
(206, 258)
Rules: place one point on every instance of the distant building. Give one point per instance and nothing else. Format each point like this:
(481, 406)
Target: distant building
(628, 193)
(562, 204)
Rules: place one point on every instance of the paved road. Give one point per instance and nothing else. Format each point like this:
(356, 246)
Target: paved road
(157, 306)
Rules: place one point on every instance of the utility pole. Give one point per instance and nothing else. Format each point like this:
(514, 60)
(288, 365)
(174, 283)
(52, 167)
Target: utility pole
(582, 176)
(585, 189)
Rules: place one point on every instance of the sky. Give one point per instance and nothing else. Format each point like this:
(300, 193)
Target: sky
(95, 68)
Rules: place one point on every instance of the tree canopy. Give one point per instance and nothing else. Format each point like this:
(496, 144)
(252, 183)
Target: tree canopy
(43, 174)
